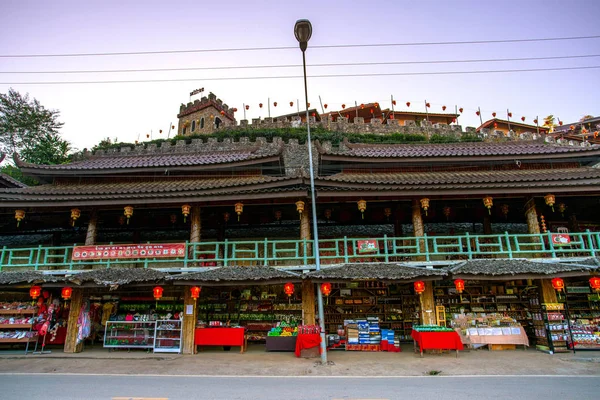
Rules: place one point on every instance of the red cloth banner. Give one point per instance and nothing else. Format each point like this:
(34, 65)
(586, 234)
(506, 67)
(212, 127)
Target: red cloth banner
(307, 341)
(437, 340)
(125, 251)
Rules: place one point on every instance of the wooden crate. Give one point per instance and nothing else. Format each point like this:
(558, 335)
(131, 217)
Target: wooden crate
(502, 346)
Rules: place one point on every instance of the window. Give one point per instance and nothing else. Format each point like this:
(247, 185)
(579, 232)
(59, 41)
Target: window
(202, 123)
(193, 125)
(184, 130)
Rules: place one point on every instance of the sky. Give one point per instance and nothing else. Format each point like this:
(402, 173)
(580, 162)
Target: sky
(129, 111)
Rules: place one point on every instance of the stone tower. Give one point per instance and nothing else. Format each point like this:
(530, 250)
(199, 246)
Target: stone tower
(204, 116)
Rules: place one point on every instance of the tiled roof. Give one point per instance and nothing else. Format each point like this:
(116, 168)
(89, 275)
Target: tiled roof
(10, 182)
(457, 150)
(238, 273)
(10, 278)
(162, 188)
(382, 271)
(457, 179)
(511, 267)
(156, 160)
(117, 276)
(490, 123)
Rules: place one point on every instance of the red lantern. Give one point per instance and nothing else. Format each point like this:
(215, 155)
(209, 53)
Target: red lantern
(427, 105)
(371, 111)
(222, 112)
(325, 106)
(260, 105)
(66, 292)
(247, 107)
(195, 291)
(495, 125)
(35, 292)
(509, 115)
(523, 119)
(326, 288)
(419, 287)
(274, 104)
(535, 121)
(558, 284)
(288, 288)
(595, 283)
(460, 285)
(343, 106)
(494, 114)
(443, 108)
(394, 102)
(408, 104)
(460, 110)
(157, 292)
(477, 112)
(362, 106)
(291, 103)
(314, 114)
(453, 119)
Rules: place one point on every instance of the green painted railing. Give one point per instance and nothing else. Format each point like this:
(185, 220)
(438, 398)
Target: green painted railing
(332, 251)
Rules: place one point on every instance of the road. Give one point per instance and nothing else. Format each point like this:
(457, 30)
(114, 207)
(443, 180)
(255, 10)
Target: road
(108, 387)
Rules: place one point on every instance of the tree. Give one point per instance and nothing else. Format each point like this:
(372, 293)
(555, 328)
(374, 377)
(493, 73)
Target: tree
(31, 130)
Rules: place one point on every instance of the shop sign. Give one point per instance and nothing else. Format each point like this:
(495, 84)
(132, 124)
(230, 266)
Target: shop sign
(578, 289)
(560, 239)
(367, 246)
(127, 251)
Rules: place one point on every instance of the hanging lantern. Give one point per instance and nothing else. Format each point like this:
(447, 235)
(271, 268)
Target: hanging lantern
(460, 110)
(362, 206)
(247, 107)
(234, 109)
(419, 287)
(274, 104)
(543, 223)
(226, 217)
(362, 106)
(239, 209)
(185, 210)
(173, 218)
(157, 292)
(300, 207)
(222, 112)
(477, 112)
(313, 114)
(66, 292)
(260, 105)
(558, 284)
(504, 208)
(595, 283)
(494, 114)
(325, 106)
(535, 121)
(453, 119)
(35, 292)
(488, 202)
(560, 122)
(343, 106)
(288, 289)
(408, 104)
(326, 288)
(427, 105)
(122, 220)
(376, 104)
(523, 119)
(460, 285)
(425, 204)
(195, 292)
(509, 115)
(562, 207)
(75, 214)
(394, 102)
(371, 111)
(19, 215)
(550, 200)
(291, 103)
(128, 213)
(447, 211)
(387, 212)
(443, 108)
(277, 215)
(495, 125)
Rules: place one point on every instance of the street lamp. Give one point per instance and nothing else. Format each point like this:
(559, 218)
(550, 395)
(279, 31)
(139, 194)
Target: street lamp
(303, 32)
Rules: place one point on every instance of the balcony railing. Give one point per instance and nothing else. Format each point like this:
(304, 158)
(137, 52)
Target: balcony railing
(427, 249)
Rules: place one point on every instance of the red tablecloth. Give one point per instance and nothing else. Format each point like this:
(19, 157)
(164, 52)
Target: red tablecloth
(307, 341)
(437, 340)
(219, 337)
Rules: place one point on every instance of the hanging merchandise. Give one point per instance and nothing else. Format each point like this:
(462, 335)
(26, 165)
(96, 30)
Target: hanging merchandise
(84, 323)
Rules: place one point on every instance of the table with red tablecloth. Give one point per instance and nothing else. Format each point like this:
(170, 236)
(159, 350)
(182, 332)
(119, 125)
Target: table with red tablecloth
(307, 341)
(437, 341)
(221, 336)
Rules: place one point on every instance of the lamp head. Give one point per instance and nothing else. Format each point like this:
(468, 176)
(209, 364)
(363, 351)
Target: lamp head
(303, 32)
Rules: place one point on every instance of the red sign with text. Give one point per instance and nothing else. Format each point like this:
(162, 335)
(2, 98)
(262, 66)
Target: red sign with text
(560, 239)
(125, 251)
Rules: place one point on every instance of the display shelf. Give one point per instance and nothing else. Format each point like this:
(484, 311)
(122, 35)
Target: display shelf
(129, 334)
(28, 311)
(167, 336)
(22, 331)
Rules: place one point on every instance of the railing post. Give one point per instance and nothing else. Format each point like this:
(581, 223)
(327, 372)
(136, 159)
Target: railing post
(385, 248)
(426, 247)
(551, 244)
(346, 259)
(590, 242)
(37, 258)
(469, 249)
(185, 254)
(225, 253)
(266, 246)
(508, 246)
(2, 257)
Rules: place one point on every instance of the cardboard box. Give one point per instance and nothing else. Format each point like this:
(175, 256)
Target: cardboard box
(497, 347)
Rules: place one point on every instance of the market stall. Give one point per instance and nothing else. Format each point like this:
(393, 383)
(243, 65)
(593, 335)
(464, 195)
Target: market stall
(496, 331)
(434, 337)
(220, 336)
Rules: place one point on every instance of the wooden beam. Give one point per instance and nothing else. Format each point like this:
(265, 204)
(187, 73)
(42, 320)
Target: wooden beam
(189, 322)
(71, 345)
(427, 306)
(308, 302)
(548, 294)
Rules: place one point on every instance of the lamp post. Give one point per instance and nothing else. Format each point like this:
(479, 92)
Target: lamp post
(303, 32)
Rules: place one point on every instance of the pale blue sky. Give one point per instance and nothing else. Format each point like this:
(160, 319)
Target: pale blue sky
(130, 110)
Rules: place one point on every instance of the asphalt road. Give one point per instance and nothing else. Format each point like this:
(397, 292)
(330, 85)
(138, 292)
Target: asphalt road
(109, 387)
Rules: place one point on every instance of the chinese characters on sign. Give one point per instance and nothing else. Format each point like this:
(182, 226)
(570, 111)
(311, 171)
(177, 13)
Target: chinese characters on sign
(125, 251)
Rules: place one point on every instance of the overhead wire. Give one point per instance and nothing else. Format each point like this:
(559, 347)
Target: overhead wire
(299, 65)
(301, 76)
(340, 46)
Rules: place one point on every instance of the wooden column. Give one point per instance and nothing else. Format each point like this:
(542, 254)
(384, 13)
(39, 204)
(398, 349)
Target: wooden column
(533, 225)
(308, 302)
(427, 305)
(548, 293)
(71, 345)
(196, 225)
(397, 223)
(487, 225)
(418, 227)
(305, 229)
(90, 236)
(189, 322)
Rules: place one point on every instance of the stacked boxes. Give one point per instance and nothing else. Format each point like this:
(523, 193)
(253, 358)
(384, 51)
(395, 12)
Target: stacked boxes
(374, 331)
